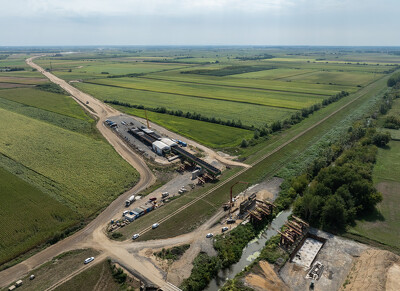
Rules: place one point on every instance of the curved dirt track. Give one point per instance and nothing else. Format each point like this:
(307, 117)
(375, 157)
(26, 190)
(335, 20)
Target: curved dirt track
(101, 112)
(93, 235)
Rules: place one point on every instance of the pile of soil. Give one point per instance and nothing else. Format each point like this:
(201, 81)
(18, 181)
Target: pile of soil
(264, 277)
(374, 270)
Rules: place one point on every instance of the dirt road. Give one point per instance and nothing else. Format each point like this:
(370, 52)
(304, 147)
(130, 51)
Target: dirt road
(92, 235)
(101, 112)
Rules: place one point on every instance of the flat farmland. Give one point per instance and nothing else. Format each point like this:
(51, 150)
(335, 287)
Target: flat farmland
(28, 216)
(249, 114)
(337, 78)
(236, 81)
(45, 100)
(331, 66)
(273, 74)
(22, 80)
(55, 170)
(74, 162)
(384, 224)
(212, 135)
(289, 100)
(82, 69)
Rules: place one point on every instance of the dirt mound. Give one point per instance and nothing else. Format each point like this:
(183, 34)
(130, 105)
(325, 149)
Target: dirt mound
(265, 278)
(265, 195)
(374, 270)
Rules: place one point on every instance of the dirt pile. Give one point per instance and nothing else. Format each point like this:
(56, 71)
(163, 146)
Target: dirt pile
(374, 270)
(265, 278)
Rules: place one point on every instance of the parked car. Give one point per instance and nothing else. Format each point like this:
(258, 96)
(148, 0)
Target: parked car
(88, 260)
(209, 235)
(155, 225)
(135, 236)
(225, 228)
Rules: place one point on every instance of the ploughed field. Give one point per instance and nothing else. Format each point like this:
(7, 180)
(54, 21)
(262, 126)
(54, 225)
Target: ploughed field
(56, 171)
(252, 87)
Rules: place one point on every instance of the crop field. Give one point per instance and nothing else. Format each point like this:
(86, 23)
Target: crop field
(337, 78)
(55, 168)
(298, 152)
(273, 74)
(49, 101)
(28, 216)
(225, 110)
(97, 68)
(22, 80)
(225, 83)
(73, 162)
(212, 135)
(252, 96)
(251, 83)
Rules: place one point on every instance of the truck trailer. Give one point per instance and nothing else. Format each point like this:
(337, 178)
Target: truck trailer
(130, 201)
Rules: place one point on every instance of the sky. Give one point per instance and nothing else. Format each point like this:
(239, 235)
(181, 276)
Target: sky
(200, 22)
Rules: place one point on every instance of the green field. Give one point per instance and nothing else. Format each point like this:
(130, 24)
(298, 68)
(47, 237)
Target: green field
(336, 78)
(181, 90)
(49, 101)
(28, 216)
(212, 135)
(56, 170)
(73, 162)
(286, 162)
(226, 83)
(225, 110)
(383, 225)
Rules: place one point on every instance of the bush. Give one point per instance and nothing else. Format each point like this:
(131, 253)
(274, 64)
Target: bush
(244, 143)
(381, 139)
(392, 122)
(51, 87)
(204, 269)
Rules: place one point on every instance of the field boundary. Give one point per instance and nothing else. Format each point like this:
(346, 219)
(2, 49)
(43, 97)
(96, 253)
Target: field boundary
(194, 96)
(230, 86)
(254, 163)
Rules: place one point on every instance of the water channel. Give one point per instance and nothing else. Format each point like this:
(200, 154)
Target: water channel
(250, 252)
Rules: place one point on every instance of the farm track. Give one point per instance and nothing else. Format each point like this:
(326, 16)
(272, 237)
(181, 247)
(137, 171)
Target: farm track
(253, 164)
(194, 96)
(232, 86)
(93, 235)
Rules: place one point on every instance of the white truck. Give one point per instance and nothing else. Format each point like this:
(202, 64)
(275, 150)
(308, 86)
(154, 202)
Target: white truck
(130, 201)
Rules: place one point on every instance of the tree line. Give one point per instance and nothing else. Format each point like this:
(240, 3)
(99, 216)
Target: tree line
(180, 113)
(337, 187)
(262, 131)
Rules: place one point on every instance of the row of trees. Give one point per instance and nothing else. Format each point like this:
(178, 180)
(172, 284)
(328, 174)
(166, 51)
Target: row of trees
(394, 80)
(180, 113)
(292, 120)
(337, 187)
(260, 132)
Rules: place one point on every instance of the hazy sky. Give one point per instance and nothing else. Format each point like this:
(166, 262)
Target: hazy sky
(200, 22)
